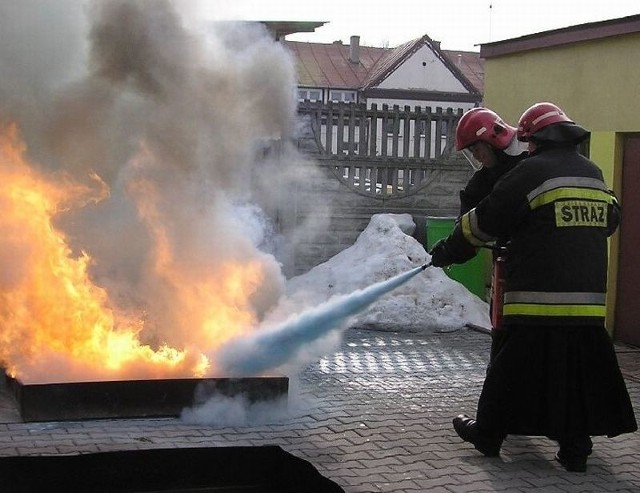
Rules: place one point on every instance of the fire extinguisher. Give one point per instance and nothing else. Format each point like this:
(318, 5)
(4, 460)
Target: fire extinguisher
(497, 287)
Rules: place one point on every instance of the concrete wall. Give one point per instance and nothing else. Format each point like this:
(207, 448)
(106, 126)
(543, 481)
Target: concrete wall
(348, 212)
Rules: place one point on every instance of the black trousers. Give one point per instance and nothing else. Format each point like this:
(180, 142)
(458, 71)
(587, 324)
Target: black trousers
(560, 382)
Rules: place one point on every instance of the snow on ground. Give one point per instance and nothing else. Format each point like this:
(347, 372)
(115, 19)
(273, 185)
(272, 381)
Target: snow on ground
(431, 301)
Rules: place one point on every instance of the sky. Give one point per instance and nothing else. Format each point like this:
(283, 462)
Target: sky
(457, 24)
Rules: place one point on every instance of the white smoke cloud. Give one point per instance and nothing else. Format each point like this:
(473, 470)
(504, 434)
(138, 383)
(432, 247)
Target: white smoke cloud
(42, 48)
(221, 410)
(236, 411)
(170, 115)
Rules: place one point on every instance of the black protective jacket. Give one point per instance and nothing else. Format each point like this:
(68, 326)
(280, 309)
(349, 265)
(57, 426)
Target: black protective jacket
(483, 181)
(557, 211)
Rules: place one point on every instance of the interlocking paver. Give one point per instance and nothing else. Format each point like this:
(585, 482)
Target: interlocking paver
(374, 417)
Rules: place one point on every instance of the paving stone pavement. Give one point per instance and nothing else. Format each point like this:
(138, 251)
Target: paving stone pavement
(374, 417)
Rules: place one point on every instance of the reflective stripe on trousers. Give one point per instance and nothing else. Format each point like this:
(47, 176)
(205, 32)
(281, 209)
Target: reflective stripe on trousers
(554, 304)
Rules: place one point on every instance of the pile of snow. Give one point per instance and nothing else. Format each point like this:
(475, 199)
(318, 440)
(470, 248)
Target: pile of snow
(431, 301)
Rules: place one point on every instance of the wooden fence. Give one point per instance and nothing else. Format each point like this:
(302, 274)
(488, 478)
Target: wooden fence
(380, 152)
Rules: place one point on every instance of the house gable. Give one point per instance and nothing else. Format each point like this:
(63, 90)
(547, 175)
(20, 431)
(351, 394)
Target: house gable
(421, 64)
(423, 70)
(415, 71)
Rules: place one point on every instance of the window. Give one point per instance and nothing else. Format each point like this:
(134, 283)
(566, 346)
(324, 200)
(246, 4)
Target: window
(346, 96)
(309, 95)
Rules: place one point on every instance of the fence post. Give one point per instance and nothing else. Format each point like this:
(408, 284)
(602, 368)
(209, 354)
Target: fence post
(417, 132)
(383, 130)
(438, 142)
(362, 130)
(373, 132)
(407, 132)
(329, 128)
(340, 129)
(351, 136)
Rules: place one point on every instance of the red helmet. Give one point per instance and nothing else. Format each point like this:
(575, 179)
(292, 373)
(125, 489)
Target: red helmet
(537, 117)
(483, 124)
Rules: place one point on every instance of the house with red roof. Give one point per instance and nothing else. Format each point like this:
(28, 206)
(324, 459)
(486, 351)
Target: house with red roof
(416, 73)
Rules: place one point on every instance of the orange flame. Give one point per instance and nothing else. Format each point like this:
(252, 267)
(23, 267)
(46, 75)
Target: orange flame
(57, 325)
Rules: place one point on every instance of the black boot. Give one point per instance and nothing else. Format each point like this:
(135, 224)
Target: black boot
(573, 453)
(467, 429)
(572, 464)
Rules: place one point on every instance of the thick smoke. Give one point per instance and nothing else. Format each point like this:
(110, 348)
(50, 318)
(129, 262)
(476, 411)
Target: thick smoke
(125, 95)
(42, 48)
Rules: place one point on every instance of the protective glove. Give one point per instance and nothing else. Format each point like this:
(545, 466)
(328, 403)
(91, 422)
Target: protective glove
(440, 254)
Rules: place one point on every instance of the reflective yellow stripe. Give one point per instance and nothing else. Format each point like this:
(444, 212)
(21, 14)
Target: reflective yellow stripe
(567, 182)
(555, 310)
(470, 230)
(570, 193)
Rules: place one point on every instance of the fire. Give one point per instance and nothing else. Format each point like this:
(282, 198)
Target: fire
(56, 324)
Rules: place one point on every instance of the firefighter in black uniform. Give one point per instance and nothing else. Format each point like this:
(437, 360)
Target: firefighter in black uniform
(556, 373)
(492, 148)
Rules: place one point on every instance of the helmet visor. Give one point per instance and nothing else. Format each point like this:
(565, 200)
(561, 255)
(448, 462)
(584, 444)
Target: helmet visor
(475, 163)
